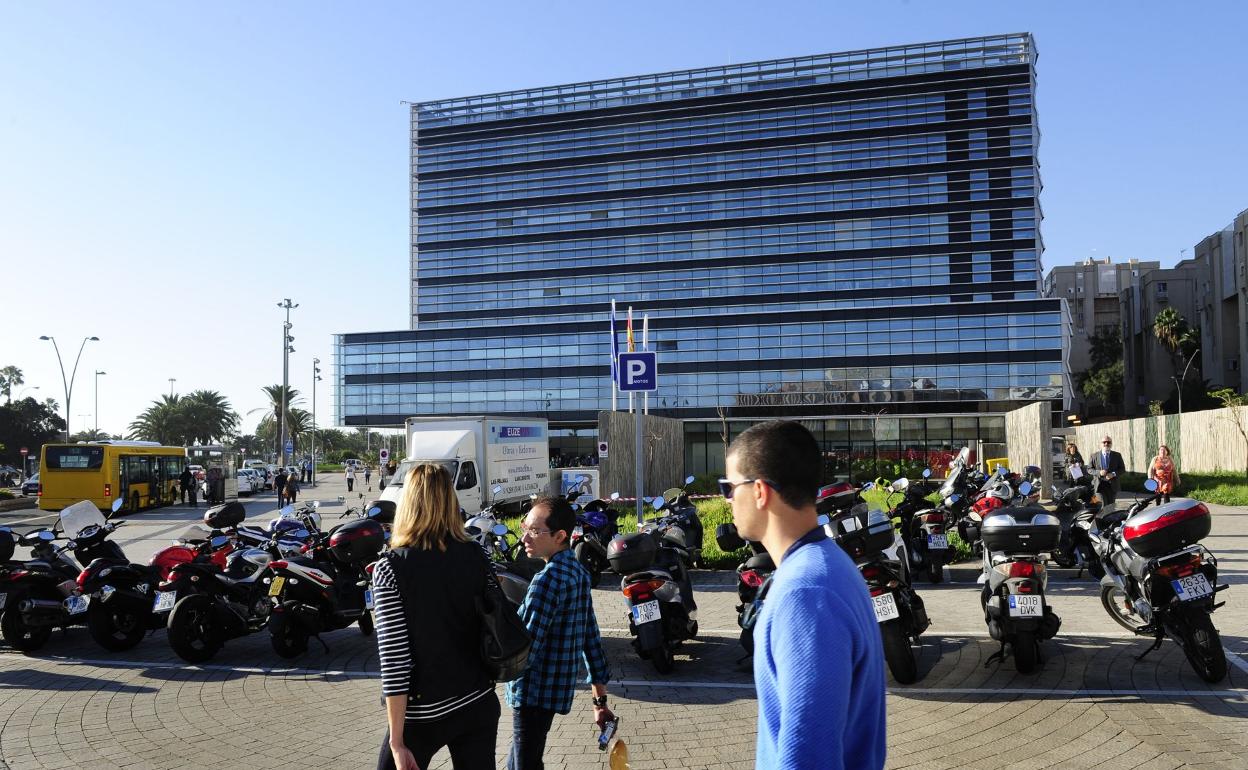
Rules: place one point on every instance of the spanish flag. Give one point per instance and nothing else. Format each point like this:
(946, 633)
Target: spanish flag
(631, 346)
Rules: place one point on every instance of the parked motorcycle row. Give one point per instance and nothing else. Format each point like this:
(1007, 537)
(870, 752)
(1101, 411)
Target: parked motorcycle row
(297, 579)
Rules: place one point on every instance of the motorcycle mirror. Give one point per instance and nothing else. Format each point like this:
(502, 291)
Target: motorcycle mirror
(823, 519)
(1024, 489)
(927, 473)
(868, 486)
(1150, 485)
(374, 511)
(46, 536)
(615, 495)
(316, 503)
(496, 489)
(688, 479)
(116, 506)
(953, 499)
(288, 510)
(500, 530)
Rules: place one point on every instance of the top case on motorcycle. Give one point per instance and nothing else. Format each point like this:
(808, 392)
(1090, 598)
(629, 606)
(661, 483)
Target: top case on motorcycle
(1167, 528)
(1025, 529)
(230, 514)
(632, 552)
(761, 561)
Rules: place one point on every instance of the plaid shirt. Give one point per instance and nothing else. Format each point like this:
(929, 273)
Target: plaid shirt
(559, 611)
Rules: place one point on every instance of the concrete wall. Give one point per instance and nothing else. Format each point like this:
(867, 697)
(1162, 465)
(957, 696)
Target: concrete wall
(664, 446)
(1206, 442)
(1027, 432)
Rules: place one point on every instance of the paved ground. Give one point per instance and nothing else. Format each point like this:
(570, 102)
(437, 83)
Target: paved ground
(1092, 705)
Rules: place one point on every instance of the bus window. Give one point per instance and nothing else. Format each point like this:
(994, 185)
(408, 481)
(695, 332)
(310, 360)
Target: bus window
(74, 458)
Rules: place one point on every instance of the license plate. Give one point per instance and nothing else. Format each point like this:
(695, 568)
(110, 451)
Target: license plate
(937, 542)
(1192, 587)
(368, 599)
(646, 612)
(1025, 606)
(276, 587)
(885, 607)
(77, 604)
(165, 601)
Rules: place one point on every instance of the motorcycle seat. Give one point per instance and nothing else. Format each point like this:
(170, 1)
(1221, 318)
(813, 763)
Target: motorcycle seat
(1110, 519)
(762, 561)
(650, 574)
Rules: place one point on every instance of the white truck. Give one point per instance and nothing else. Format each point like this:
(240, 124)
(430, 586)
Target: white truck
(480, 453)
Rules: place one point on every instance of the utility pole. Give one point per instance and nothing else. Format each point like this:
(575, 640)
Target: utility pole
(68, 384)
(316, 377)
(171, 381)
(97, 399)
(1179, 382)
(287, 305)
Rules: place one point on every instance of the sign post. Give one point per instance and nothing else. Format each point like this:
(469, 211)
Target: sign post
(290, 448)
(24, 451)
(639, 373)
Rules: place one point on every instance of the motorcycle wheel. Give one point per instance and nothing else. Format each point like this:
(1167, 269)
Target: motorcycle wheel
(117, 625)
(935, 573)
(289, 641)
(1203, 647)
(192, 630)
(663, 660)
(898, 653)
(747, 641)
(1116, 603)
(1063, 558)
(1095, 568)
(20, 636)
(1026, 652)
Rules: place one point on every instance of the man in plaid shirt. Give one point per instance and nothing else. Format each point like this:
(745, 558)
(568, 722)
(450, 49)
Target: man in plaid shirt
(559, 611)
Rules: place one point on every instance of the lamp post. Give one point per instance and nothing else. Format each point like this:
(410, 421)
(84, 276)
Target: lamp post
(97, 399)
(1179, 384)
(287, 305)
(316, 377)
(68, 384)
(171, 381)
(18, 397)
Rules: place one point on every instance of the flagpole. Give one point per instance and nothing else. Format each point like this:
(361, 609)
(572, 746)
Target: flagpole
(631, 401)
(645, 345)
(615, 350)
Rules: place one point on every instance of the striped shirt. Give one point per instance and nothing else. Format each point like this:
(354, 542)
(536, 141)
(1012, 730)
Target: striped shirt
(559, 612)
(394, 650)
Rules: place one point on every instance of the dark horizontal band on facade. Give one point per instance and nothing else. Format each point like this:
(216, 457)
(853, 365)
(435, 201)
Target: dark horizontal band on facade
(866, 410)
(917, 169)
(943, 127)
(847, 255)
(955, 80)
(694, 367)
(953, 207)
(966, 310)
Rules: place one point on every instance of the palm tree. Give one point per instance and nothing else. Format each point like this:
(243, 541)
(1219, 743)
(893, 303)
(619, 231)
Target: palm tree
(10, 378)
(269, 422)
(209, 417)
(1169, 327)
(94, 434)
(162, 422)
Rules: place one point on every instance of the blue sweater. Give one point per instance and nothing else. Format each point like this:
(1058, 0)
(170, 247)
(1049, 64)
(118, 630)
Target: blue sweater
(819, 665)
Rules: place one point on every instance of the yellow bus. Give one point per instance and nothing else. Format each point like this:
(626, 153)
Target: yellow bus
(144, 474)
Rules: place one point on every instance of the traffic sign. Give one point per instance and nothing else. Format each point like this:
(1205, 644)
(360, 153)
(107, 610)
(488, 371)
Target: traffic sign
(290, 446)
(24, 451)
(639, 372)
(384, 454)
(602, 450)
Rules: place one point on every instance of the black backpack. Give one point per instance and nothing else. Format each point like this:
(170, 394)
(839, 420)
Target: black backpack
(505, 640)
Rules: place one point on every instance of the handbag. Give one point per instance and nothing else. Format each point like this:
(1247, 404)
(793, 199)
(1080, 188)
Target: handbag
(505, 640)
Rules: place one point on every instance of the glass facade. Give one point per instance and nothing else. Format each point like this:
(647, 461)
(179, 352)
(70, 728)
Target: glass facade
(826, 238)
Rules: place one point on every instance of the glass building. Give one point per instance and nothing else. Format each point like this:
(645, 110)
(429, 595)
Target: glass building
(850, 239)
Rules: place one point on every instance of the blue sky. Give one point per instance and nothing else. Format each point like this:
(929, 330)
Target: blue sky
(170, 171)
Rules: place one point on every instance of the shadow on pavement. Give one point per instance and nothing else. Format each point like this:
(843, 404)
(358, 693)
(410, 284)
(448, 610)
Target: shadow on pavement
(31, 679)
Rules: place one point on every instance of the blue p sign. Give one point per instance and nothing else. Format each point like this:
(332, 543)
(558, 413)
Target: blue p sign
(639, 372)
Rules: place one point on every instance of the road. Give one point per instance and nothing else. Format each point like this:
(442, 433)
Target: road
(1091, 705)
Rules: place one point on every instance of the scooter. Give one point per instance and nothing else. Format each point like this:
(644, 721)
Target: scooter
(596, 524)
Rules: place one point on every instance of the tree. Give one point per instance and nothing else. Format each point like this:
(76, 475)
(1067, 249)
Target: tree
(27, 423)
(1104, 385)
(10, 378)
(93, 434)
(1102, 382)
(207, 416)
(1235, 403)
(1105, 347)
(162, 422)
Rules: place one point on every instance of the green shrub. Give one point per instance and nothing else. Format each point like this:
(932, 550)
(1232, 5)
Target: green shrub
(1219, 488)
(6, 495)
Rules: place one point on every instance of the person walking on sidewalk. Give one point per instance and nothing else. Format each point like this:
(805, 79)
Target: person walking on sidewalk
(279, 485)
(1165, 472)
(350, 478)
(436, 688)
(559, 612)
(368, 476)
(1107, 465)
(818, 662)
(187, 482)
(292, 488)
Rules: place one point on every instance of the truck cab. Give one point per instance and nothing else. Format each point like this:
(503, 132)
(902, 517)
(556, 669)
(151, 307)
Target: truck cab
(455, 450)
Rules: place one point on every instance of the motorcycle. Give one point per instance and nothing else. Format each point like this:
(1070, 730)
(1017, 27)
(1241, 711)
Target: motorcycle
(44, 593)
(596, 524)
(1160, 581)
(654, 563)
(924, 528)
(1077, 508)
(1016, 540)
(752, 574)
(513, 568)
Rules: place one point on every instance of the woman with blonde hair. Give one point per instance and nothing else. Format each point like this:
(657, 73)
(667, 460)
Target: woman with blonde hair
(1165, 472)
(435, 685)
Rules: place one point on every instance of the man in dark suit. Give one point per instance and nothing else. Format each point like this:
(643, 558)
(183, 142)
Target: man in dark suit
(1109, 465)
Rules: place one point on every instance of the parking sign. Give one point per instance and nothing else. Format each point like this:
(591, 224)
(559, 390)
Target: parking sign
(384, 454)
(639, 372)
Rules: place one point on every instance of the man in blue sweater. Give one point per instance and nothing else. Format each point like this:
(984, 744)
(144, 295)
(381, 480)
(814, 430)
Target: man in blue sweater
(818, 659)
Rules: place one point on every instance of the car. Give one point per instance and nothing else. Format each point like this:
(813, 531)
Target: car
(249, 481)
(31, 486)
(197, 471)
(357, 464)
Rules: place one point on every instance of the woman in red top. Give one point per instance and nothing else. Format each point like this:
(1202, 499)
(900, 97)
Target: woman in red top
(1165, 473)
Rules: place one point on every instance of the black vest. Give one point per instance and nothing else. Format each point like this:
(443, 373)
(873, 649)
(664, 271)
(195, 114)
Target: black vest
(439, 590)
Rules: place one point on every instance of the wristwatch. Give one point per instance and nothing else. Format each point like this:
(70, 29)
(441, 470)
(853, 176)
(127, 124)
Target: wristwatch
(600, 703)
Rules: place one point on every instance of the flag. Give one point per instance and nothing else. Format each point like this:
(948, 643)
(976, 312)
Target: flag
(631, 345)
(615, 347)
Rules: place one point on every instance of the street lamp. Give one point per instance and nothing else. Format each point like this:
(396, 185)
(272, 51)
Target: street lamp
(1179, 384)
(171, 381)
(287, 305)
(97, 399)
(68, 384)
(316, 377)
(18, 397)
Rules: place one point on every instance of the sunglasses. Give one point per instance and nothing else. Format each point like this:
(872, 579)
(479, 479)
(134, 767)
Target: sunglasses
(726, 487)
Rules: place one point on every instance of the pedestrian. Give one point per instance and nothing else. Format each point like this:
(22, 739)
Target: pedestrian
(186, 480)
(1165, 472)
(434, 682)
(368, 475)
(1075, 460)
(818, 662)
(292, 488)
(1108, 465)
(279, 484)
(350, 478)
(559, 612)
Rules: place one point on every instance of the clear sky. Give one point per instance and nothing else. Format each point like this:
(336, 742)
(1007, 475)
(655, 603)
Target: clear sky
(169, 171)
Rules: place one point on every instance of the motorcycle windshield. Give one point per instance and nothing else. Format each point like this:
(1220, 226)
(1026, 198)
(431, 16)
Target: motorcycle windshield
(79, 516)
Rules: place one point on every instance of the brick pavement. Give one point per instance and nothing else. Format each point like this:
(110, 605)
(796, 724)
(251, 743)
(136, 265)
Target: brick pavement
(1092, 705)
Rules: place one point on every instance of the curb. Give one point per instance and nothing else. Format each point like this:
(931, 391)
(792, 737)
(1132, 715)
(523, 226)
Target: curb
(19, 504)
